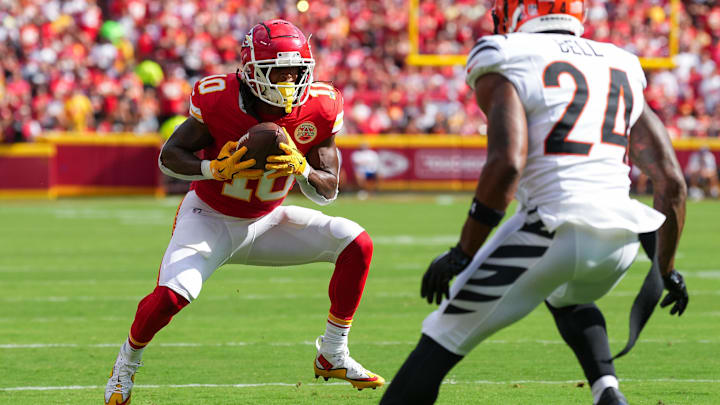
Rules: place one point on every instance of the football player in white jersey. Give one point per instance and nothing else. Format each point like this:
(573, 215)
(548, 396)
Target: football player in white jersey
(563, 114)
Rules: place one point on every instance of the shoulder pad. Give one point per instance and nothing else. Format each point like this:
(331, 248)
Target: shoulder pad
(485, 57)
(327, 97)
(637, 70)
(328, 104)
(206, 92)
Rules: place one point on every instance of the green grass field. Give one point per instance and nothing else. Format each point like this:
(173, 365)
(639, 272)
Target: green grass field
(72, 272)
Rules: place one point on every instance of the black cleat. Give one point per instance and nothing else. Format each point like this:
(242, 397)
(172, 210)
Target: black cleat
(612, 396)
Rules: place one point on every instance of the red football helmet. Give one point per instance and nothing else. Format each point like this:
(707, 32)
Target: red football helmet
(539, 15)
(277, 43)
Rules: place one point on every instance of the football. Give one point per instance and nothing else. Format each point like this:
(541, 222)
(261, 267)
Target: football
(262, 140)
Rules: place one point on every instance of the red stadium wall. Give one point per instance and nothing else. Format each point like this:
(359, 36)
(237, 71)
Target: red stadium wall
(77, 165)
(81, 165)
(26, 169)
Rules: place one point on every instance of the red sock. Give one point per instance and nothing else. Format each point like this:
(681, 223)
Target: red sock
(153, 313)
(348, 280)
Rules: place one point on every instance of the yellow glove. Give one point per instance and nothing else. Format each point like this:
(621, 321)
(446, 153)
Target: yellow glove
(292, 162)
(229, 164)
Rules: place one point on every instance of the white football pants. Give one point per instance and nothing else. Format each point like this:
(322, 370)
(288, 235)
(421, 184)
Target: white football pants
(520, 267)
(204, 239)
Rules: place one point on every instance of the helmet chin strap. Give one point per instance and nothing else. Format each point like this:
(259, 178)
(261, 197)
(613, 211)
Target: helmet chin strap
(284, 95)
(288, 95)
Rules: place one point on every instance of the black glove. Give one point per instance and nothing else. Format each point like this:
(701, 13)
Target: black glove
(677, 293)
(436, 281)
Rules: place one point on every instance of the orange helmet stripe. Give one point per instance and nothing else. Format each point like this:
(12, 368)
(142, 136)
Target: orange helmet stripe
(511, 15)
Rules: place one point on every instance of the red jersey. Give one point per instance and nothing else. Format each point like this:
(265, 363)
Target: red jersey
(216, 102)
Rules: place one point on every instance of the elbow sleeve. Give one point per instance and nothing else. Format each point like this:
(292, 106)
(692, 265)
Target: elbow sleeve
(311, 192)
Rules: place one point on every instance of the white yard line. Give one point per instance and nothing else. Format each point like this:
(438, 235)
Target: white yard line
(13, 346)
(210, 297)
(406, 240)
(642, 380)
(280, 384)
(634, 293)
(154, 386)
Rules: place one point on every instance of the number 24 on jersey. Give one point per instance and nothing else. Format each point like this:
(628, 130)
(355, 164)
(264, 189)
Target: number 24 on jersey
(556, 142)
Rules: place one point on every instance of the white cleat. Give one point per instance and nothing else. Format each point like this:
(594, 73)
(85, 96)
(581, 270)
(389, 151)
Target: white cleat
(119, 386)
(344, 367)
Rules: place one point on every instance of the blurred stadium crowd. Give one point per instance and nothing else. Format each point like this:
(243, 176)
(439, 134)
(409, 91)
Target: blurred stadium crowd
(128, 65)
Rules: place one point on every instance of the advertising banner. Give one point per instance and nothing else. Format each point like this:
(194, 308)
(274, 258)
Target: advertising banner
(447, 162)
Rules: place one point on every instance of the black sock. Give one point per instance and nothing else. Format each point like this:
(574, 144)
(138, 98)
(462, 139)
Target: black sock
(583, 329)
(418, 380)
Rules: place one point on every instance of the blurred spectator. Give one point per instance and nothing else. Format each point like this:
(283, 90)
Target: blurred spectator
(78, 111)
(366, 165)
(135, 60)
(174, 92)
(701, 172)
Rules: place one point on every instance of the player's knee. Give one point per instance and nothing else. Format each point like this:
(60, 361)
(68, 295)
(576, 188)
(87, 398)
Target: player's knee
(168, 301)
(357, 254)
(360, 249)
(364, 244)
(344, 229)
(576, 317)
(559, 310)
(187, 283)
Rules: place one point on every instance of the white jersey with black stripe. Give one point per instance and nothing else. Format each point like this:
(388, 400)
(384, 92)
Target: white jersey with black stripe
(581, 98)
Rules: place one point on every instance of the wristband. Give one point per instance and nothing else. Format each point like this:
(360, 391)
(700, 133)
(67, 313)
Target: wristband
(484, 214)
(205, 169)
(305, 174)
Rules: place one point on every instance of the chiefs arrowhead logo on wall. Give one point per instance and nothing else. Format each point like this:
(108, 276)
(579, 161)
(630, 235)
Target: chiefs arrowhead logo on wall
(305, 132)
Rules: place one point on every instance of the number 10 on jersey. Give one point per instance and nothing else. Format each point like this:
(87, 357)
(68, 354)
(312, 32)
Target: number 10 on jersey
(240, 190)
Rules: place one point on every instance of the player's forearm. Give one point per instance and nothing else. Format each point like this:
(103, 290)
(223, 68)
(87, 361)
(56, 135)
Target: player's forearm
(177, 156)
(507, 155)
(180, 161)
(496, 189)
(324, 182)
(669, 199)
(652, 151)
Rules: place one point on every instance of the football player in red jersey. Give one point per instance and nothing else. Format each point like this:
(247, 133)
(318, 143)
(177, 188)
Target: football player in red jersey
(233, 213)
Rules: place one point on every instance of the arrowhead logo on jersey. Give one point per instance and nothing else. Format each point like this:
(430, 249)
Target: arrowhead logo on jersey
(305, 132)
